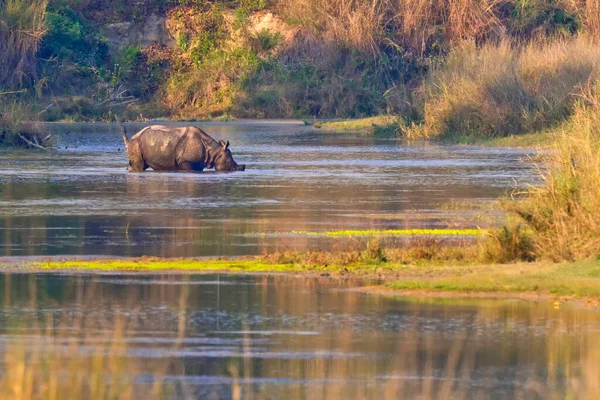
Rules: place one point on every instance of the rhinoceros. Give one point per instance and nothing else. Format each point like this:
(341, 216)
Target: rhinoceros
(170, 149)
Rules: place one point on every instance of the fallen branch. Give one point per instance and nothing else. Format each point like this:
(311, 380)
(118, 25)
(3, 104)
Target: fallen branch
(31, 143)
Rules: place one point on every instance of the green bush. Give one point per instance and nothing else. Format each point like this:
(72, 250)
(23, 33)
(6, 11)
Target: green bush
(69, 37)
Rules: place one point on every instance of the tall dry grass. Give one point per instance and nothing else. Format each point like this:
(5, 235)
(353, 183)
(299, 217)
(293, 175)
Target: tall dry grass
(22, 27)
(45, 365)
(434, 26)
(369, 24)
(564, 214)
(501, 89)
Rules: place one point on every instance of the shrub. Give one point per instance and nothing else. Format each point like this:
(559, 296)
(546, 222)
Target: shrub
(264, 41)
(16, 128)
(512, 242)
(564, 214)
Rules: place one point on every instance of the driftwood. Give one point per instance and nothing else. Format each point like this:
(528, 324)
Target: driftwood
(32, 144)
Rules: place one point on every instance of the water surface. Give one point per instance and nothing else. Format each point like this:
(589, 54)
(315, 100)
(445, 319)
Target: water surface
(82, 201)
(297, 338)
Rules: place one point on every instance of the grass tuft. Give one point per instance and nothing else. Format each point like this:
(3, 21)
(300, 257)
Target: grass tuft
(564, 213)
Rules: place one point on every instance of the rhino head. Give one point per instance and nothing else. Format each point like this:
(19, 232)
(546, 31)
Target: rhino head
(224, 160)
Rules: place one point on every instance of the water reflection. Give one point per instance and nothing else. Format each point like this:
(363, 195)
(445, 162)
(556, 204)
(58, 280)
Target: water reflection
(285, 337)
(81, 201)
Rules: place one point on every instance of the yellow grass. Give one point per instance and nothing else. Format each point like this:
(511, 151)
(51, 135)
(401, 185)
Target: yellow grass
(499, 90)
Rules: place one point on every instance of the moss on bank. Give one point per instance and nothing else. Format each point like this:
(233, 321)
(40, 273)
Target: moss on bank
(575, 279)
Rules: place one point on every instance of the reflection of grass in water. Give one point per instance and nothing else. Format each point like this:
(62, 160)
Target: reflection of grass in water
(92, 363)
(46, 365)
(393, 232)
(423, 366)
(76, 355)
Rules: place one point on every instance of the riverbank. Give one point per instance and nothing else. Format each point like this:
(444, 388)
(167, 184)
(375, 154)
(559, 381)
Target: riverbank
(538, 280)
(392, 127)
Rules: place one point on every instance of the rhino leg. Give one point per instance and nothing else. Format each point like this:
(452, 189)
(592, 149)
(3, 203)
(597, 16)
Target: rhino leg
(190, 166)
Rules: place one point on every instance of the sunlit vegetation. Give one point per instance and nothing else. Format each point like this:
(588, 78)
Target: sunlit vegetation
(563, 214)
(307, 59)
(426, 265)
(577, 279)
(500, 90)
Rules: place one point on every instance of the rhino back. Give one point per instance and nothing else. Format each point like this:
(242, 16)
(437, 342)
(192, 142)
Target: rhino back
(158, 146)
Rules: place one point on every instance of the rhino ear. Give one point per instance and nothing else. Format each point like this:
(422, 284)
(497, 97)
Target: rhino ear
(225, 144)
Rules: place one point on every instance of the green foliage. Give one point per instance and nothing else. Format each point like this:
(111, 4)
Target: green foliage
(265, 40)
(542, 17)
(72, 55)
(253, 5)
(126, 65)
(203, 45)
(193, 90)
(305, 88)
(67, 36)
(241, 18)
(183, 41)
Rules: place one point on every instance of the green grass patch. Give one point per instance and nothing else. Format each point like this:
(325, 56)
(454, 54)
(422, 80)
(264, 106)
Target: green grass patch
(577, 279)
(371, 125)
(534, 140)
(268, 264)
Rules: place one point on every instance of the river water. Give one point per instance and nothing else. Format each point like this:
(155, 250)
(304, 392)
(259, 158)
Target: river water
(270, 337)
(282, 337)
(81, 200)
